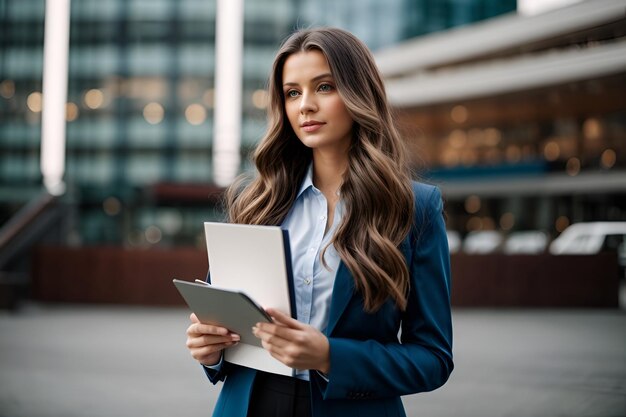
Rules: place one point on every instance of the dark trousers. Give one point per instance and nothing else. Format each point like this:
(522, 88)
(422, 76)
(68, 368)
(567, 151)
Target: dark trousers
(279, 396)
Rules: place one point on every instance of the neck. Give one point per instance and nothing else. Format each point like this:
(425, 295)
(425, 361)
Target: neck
(328, 172)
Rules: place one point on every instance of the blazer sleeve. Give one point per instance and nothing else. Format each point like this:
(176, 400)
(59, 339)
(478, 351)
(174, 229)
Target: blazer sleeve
(216, 375)
(422, 358)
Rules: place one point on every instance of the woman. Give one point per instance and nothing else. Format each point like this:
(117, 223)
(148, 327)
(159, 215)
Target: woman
(369, 249)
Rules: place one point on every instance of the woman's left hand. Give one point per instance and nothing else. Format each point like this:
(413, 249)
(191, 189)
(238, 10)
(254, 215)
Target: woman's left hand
(295, 344)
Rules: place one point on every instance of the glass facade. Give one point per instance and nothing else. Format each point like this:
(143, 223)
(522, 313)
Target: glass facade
(384, 23)
(140, 99)
(539, 158)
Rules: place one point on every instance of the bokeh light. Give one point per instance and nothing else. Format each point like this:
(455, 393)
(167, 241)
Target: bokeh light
(195, 114)
(153, 113)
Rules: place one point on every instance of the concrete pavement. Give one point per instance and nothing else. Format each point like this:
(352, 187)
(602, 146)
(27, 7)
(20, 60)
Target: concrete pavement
(96, 361)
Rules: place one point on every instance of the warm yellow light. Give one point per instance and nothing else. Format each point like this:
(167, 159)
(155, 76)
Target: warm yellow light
(573, 167)
(551, 151)
(472, 204)
(507, 221)
(475, 223)
(457, 138)
(195, 114)
(592, 129)
(144, 88)
(7, 89)
(71, 111)
(94, 98)
(459, 114)
(153, 113)
(260, 99)
(488, 223)
(34, 102)
(561, 223)
(492, 136)
(608, 158)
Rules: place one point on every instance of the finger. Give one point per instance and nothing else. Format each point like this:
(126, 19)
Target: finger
(278, 331)
(284, 319)
(203, 353)
(201, 328)
(204, 340)
(277, 350)
(270, 338)
(215, 329)
(295, 334)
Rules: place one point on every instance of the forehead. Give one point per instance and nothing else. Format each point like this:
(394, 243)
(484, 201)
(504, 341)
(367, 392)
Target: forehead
(303, 66)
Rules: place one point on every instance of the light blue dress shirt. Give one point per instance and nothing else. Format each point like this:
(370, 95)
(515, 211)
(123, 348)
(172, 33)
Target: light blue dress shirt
(313, 282)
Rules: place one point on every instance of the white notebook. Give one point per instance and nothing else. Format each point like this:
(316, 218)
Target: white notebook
(257, 261)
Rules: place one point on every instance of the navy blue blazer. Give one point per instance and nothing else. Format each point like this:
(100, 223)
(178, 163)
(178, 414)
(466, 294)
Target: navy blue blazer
(377, 357)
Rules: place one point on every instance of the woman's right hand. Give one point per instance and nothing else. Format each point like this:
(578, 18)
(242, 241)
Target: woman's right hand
(206, 342)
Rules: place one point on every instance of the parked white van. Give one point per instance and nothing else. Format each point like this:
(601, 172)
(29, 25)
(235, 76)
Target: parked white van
(589, 238)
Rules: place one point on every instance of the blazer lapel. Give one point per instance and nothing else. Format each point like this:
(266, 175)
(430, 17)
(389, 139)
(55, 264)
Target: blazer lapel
(343, 290)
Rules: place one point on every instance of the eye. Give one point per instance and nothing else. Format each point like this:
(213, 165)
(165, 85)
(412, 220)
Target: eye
(292, 94)
(325, 88)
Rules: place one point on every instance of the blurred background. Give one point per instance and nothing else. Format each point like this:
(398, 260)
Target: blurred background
(516, 109)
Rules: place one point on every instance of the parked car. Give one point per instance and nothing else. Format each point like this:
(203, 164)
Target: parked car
(591, 238)
(526, 242)
(482, 241)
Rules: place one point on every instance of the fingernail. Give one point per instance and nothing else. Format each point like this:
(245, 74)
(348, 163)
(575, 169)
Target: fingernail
(235, 337)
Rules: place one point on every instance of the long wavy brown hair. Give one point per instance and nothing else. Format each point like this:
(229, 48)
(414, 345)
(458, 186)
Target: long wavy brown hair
(376, 188)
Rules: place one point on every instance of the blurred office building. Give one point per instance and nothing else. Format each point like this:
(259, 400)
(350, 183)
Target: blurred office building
(139, 112)
(521, 119)
(385, 23)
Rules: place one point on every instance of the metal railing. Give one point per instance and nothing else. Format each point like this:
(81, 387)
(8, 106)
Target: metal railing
(18, 236)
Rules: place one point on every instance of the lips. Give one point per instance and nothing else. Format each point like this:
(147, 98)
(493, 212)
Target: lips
(311, 125)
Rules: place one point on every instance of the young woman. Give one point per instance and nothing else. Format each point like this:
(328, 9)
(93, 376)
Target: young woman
(369, 249)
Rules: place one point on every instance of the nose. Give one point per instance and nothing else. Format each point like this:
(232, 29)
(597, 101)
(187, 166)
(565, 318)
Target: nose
(307, 103)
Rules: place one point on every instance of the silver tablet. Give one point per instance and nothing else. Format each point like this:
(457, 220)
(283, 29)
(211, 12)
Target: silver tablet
(224, 307)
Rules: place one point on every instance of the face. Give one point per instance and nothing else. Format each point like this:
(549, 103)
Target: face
(314, 108)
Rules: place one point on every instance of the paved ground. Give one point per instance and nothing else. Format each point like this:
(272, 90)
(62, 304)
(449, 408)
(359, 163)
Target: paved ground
(87, 361)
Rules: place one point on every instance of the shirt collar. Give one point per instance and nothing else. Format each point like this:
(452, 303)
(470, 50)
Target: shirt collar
(307, 182)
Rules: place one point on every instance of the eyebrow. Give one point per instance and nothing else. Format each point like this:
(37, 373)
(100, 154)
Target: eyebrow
(317, 78)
